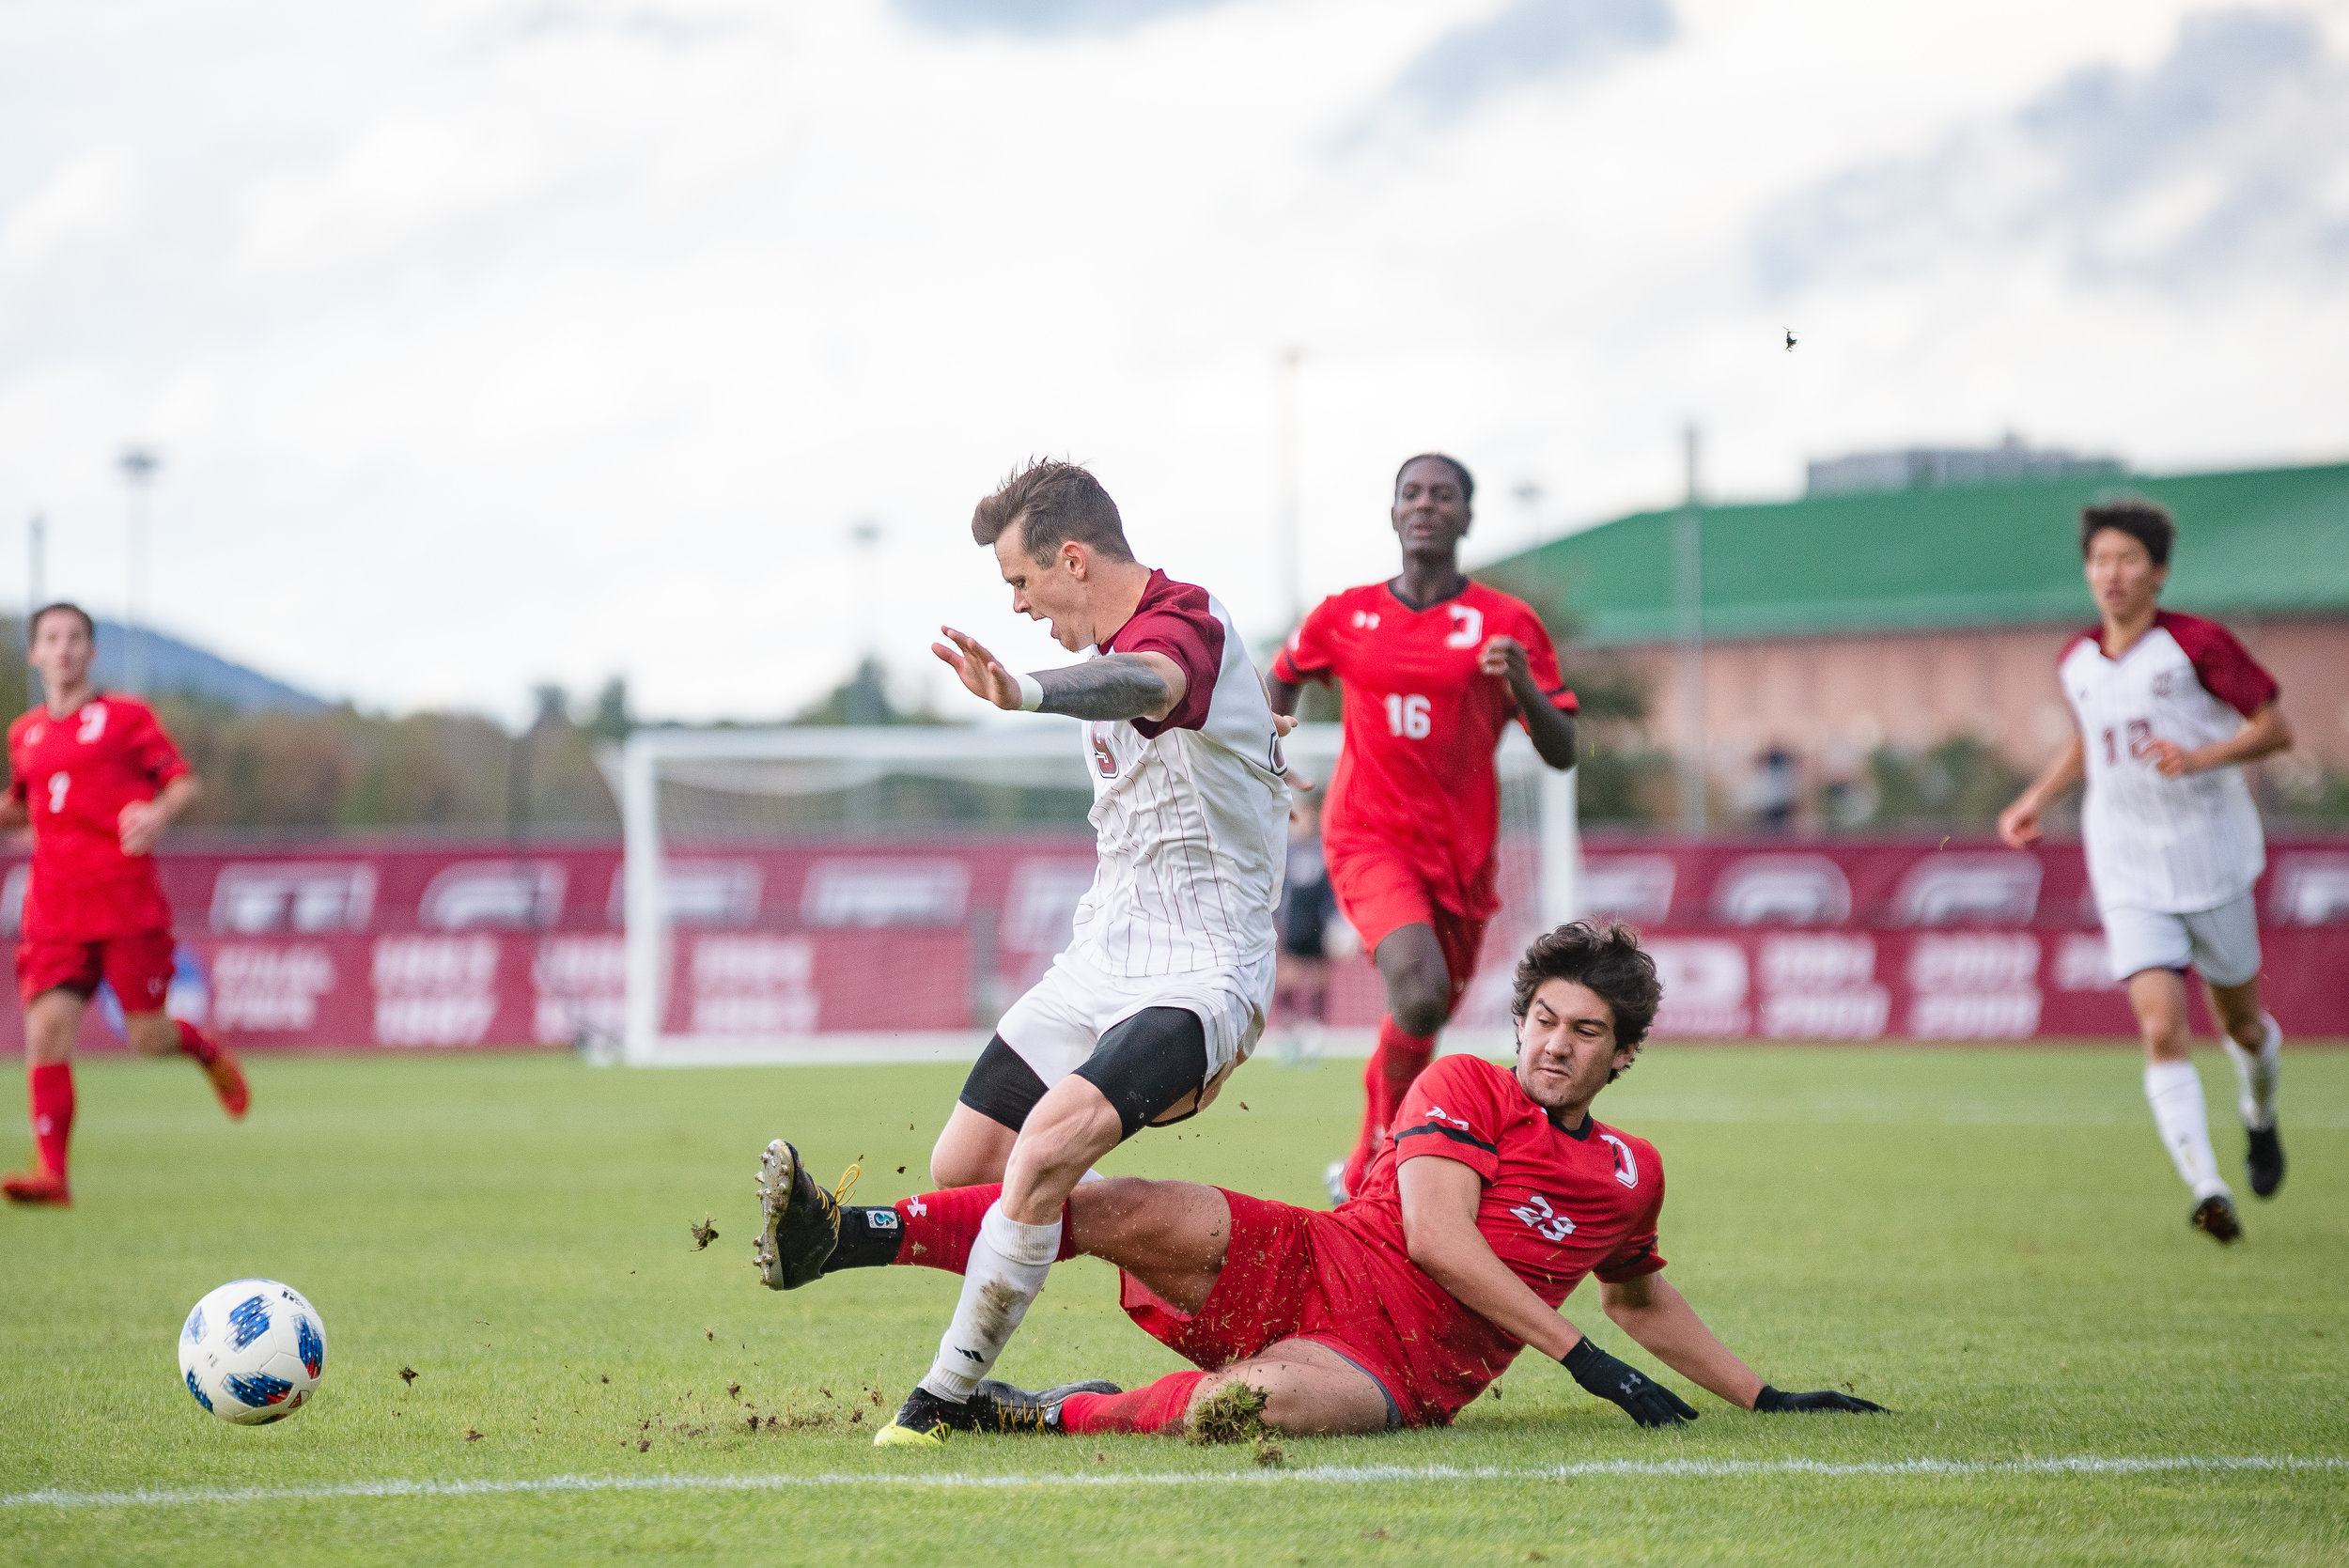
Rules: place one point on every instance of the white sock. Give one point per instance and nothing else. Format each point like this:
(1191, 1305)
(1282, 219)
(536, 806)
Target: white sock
(2174, 1090)
(1008, 1262)
(2256, 1073)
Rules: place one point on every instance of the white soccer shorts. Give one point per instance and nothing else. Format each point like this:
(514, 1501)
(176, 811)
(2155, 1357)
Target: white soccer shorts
(1062, 1018)
(2222, 943)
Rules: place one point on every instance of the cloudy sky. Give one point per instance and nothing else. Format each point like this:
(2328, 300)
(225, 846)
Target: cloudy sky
(493, 343)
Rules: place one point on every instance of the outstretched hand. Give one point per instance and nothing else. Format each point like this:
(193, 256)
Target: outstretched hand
(1644, 1400)
(2018, 825)
(1771, 1402)
(983, 674)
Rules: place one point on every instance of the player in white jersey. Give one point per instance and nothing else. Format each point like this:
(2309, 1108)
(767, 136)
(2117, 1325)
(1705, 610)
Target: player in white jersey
(2169, 709)
(1162, 989)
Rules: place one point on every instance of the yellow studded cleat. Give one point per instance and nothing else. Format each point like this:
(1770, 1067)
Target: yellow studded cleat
(924, 1420)
(895, 1436)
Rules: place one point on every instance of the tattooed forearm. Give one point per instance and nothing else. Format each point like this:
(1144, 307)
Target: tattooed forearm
(1116, 686)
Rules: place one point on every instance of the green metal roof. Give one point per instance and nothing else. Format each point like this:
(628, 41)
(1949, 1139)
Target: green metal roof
(2269, 541)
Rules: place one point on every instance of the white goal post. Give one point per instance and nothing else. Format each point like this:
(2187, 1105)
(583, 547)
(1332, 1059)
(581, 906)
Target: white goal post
(716, 822)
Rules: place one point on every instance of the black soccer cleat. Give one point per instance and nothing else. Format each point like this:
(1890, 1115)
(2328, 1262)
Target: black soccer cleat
(2214, 1216)
(798, 1223)
(1003, 1408)
(2265, 1162)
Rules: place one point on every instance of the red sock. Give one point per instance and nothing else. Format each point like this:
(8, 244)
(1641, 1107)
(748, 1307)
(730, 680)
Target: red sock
(1399, 1059)
(50, 1087)
(193, 1042)
(1159, 1407)
(940, 1227)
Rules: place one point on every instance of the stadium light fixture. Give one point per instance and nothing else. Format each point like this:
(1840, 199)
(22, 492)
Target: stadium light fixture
(138, 465)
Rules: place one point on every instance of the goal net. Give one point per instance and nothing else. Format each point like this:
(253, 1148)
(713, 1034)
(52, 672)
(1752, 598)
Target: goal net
(846, 895)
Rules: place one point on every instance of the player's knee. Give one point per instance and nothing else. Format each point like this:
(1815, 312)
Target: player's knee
(960, 1160)
(1421, 1007)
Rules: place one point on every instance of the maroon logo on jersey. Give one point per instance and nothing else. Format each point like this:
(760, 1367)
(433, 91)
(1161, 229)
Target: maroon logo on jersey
(1626, 1169)
(1103, 758)
(2161, 684)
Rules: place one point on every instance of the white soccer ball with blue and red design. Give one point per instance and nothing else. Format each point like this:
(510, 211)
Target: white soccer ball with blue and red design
(252, 1351)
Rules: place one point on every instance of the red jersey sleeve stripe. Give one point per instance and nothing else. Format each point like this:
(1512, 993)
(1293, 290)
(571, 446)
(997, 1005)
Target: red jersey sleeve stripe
(1454, 1133)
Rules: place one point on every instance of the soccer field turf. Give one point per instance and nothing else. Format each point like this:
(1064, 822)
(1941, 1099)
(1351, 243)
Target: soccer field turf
(1990, 1242)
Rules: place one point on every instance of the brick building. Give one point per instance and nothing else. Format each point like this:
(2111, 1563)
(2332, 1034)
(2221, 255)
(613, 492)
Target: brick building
(1840, 623)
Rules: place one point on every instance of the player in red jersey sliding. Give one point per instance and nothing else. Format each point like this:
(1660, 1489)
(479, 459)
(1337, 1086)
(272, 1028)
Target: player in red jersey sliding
(1499, 1192)
(1432, 666)
(98, 780)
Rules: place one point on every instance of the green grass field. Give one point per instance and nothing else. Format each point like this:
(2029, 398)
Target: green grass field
(1988, 1241)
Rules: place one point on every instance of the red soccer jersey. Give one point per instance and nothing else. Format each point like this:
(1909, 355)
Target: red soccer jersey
(74, 775)
(1416, 777)
(1558, 1202)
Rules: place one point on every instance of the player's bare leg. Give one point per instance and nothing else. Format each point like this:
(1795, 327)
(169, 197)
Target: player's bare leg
(2255, 1045)
(2174, 1092)
(158, 1033)
(1418, 999)
(972, 1149)
(51, 1021)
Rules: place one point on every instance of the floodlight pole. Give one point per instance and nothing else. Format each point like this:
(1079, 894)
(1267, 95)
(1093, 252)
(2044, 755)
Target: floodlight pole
(1688, 576)
(36, 595)
(138, 465)
(1288, 522)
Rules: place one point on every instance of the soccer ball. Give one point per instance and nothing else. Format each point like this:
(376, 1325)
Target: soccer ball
(252, 1351)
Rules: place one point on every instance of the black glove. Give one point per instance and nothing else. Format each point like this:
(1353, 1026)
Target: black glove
(1770, 1402)
(1649, 1404)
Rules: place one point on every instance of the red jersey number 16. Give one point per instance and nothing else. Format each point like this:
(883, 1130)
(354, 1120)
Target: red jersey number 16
(1407, 716)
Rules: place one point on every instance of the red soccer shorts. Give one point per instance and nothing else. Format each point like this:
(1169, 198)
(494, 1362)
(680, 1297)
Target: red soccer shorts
(1300, 1274)
(138, 968)
(1380, 892)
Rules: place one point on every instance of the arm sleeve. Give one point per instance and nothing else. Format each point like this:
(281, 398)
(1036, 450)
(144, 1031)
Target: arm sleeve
(1451, 1111)
(1541, 657)
(1193, 639)
(152, 753)
(1307, 656)
(2224, 666)
(1638, 1254)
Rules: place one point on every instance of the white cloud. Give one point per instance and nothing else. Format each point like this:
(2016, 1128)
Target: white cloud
(396, 185)
(93, 197)
(488, 345)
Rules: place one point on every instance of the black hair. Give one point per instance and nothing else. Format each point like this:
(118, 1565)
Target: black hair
(32, 622)
(2140, 519)
(1608, 960)
(1468, 481)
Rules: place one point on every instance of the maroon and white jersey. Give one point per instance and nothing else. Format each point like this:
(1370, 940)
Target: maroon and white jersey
(2173, 845)
(1190, 811)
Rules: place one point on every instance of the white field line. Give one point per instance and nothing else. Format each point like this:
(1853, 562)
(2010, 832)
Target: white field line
(1701, 1470)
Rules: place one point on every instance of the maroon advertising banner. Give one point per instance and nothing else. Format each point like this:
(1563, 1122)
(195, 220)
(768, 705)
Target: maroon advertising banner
(451, 947)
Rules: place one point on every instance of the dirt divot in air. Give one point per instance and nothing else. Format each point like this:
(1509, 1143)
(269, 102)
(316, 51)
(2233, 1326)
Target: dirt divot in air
(1233, 1414)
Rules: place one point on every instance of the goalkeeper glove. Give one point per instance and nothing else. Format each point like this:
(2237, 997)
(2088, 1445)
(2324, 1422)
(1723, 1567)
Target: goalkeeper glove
(1770, 1402)
(1649, 1404)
